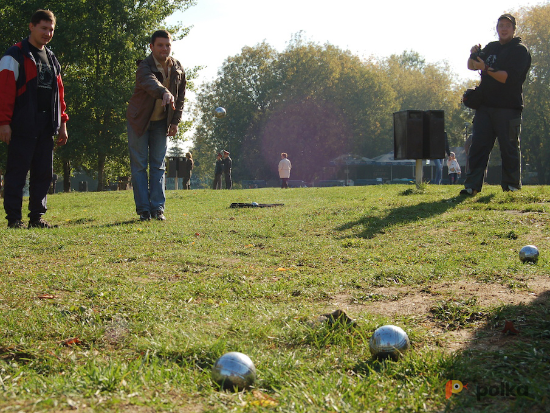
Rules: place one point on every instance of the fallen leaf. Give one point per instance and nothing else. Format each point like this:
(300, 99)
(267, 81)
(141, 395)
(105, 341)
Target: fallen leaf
(509, 328)
(72, 342)
(46, 296)
(281, 269)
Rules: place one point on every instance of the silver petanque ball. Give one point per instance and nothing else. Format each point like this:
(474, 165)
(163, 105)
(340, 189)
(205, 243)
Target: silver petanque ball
(389, 342)
(234, 371)
(255, 204)
(529, 253)
(219, 112)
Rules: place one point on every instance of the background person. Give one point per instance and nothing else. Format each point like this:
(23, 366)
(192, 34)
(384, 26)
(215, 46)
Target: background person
(453, 168)
(32, 111)
(227, 164)
(504, 65)
(218, 172)
(187, 168)
(284, 170)
(154, 112)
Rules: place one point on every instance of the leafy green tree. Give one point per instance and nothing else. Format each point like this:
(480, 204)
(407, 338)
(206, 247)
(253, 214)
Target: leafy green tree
(329, 103)
(244, 87)
(534, 29)
(311, 101)
(315, 102)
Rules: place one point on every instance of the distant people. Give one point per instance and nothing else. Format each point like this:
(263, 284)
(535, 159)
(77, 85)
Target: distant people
(454, 168)
(154, 112)
(218, 172)
(187, 168)
(32, 111)
(284, 170)
(504, 65)
(227, 170)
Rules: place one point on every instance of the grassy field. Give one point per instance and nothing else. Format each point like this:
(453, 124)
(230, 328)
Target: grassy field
(106, 313)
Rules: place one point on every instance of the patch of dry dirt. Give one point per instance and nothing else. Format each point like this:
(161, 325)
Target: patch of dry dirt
(416, 302)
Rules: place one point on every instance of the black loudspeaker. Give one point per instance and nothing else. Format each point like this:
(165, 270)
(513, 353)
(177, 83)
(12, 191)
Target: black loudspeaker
(419, 134)
(175, 164)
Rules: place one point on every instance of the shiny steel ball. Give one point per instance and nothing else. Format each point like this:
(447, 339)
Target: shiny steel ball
(234, 371)
(389, 342)
(220, 112)
(529, 253)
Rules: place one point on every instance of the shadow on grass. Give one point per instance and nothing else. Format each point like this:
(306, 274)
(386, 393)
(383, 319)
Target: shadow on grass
(119, 223)
(503, 372)
(373, 224)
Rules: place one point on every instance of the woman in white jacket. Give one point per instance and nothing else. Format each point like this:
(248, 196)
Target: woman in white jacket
(284, 170)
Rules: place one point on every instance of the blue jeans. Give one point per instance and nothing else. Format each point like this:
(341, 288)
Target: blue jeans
(149, 194)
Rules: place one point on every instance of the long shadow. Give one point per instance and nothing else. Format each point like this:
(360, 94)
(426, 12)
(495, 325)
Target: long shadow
(118, 223)
(373, 224)
(506, 370)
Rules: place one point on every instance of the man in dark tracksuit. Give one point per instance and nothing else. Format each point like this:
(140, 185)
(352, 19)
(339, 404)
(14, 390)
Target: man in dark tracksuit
(227, 170)
(504, 65)
(32, 111)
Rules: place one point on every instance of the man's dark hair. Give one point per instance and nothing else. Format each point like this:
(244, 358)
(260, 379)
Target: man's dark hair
(160, 33)
(40, 15)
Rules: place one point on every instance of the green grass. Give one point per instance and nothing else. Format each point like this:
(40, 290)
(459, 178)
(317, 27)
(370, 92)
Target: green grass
(154, 304)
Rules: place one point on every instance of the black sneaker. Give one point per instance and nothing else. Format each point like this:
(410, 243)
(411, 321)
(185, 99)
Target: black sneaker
(40, 223)
(159, 215)
(145, 216)
(16, 224)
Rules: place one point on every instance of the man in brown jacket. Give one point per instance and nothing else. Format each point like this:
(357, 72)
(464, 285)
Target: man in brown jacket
(153, 114)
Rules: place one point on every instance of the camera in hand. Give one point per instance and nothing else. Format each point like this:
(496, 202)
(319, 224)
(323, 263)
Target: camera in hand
(477, 54)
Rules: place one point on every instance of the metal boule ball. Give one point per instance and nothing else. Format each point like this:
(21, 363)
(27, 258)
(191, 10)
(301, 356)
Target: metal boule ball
(234, 371)
(389, 342)
(529, 253)
(220, 112)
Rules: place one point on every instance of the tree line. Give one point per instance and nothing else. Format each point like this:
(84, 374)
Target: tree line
(314, 101)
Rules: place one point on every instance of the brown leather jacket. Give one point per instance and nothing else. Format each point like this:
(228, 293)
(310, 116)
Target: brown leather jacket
(149, 88)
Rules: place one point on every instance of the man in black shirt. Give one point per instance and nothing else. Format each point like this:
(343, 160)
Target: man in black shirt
(504, 65)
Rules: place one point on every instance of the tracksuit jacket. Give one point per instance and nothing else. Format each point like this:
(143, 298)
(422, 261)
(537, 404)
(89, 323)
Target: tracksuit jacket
(18, 91)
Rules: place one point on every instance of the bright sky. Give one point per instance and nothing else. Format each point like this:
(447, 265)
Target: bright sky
(440, 30)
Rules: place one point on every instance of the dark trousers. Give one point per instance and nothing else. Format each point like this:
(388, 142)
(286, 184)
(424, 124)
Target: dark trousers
(228, 182)
(491, 123)
(34, 154)
(453, 178)
(284, 182)
(186, 181)
(217, 182)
